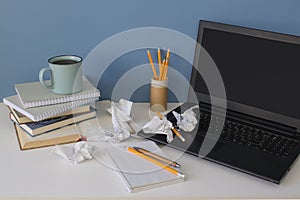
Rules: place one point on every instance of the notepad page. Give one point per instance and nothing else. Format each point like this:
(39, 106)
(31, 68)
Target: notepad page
(137, 172)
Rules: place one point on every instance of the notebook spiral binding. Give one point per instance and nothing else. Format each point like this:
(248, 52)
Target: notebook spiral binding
(62, 99)
(64, 108)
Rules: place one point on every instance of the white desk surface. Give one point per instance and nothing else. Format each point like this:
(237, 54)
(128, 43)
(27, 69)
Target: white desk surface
(40, 173)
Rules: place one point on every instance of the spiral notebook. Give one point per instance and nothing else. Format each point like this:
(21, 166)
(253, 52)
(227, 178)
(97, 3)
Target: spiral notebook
(137, 173)
(44, 112)
(34, 94)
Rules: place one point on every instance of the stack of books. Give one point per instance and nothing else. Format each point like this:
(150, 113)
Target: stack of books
(42, 118)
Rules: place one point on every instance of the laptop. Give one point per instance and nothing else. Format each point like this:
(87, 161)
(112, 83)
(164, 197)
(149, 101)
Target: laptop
(258, 130)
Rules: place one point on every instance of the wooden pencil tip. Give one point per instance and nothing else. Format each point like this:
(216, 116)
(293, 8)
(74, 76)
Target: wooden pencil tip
(136, 148)
(159, 115)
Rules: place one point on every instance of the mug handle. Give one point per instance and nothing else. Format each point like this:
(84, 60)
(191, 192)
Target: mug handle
(41, 77)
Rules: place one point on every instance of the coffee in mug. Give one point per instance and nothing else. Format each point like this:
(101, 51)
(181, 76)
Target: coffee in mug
(65, 74)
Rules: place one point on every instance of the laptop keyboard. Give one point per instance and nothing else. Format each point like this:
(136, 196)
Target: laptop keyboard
(245, 134)
(249, 135)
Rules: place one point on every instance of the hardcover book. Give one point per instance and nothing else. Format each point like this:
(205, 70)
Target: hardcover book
(42, 127)
(63, 135)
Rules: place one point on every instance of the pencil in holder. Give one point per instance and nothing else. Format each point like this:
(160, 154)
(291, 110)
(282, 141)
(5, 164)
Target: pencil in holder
(158, 95)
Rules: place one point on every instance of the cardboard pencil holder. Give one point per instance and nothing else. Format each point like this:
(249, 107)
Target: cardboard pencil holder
(158, 95)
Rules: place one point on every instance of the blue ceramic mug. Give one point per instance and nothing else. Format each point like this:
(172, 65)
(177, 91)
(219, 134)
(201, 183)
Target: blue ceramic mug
(65, 74)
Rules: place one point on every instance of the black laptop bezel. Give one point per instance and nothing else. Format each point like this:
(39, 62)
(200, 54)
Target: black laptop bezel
(235, 106)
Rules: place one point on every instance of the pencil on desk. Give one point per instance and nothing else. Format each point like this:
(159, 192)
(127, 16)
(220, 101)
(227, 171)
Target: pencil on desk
(173, 171)
(173, 129)
(152, 65)
(159, 115)
(178, 134)
(158, 157)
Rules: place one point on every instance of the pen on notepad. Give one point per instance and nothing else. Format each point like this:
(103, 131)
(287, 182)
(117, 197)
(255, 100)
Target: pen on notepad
(171, 170)
(158, 157)
(173, 129)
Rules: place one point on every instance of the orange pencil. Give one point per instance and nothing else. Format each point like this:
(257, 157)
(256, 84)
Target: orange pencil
(152, 65)
(161, 76)
(173, 129)
(168, 55)
(167, 64)
(159, 61)
(173, 171)
(166, 70)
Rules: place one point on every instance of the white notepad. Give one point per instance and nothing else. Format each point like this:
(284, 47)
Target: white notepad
(34, 94)
(137, 173)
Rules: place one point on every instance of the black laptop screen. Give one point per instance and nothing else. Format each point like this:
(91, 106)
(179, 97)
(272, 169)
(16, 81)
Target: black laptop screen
(258, 72)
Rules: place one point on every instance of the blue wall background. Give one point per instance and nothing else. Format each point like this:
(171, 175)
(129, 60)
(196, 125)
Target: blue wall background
(31, 31)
